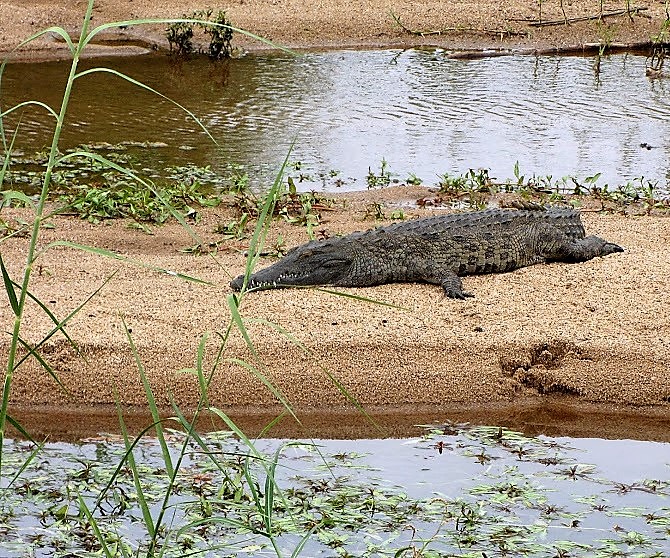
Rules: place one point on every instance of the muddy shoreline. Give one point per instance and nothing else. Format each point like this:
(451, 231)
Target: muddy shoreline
(548, 416)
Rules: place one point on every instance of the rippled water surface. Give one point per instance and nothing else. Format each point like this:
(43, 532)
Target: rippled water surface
(421, 111)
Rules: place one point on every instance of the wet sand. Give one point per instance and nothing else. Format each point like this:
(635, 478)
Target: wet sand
(589, 339)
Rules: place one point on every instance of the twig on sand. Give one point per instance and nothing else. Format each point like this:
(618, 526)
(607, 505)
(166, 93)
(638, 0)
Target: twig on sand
(568, 21)
(495, 32)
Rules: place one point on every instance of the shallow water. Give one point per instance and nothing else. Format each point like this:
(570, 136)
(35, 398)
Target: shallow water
(454, 490)
(422, 112)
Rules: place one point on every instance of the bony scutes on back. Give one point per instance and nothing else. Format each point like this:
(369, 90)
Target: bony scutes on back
(436, 250)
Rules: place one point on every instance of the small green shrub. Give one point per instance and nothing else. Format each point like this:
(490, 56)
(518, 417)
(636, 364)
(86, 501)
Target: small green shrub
(379, 180)
(180, 34)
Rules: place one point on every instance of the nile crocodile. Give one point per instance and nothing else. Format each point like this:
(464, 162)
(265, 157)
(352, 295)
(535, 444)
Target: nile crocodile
(436, 250)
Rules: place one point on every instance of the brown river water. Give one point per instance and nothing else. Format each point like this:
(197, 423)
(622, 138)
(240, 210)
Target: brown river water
(345, 111)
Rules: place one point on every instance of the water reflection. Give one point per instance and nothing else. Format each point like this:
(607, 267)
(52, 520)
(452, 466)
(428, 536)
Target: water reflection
(423, 112)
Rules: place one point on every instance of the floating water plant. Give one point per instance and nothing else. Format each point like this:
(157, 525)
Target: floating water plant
(328, 500)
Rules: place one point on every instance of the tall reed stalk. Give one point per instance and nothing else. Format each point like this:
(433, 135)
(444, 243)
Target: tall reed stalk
(18, 303)
(18, 292)
(156, 520)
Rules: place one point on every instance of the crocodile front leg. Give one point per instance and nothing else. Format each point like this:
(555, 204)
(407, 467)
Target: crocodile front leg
(446, 278)
(453, 287)
(581, 250)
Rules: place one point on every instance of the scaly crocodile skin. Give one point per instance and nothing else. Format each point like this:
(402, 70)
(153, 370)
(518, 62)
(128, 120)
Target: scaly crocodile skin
(436, 250)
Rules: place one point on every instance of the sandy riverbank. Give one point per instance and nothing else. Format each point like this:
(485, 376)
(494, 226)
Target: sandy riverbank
(593, 333)
(484, 24)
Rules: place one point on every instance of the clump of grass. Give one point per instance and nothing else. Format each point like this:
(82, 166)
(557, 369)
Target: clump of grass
(180, 34)
(380, 180)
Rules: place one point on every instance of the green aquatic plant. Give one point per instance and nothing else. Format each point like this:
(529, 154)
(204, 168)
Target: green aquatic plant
(380, 180)
(221, 493)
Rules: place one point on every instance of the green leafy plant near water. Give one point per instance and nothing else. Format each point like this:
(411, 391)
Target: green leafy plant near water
(128, 199)
(381, 179)
(519, 496)
(475, 187)
(180, 34)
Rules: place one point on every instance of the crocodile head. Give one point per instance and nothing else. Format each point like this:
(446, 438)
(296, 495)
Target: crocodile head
(315, 263)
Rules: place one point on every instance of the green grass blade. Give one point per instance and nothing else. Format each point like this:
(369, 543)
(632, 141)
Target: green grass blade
(24, 465)
(254, 370)
(33, 352)
(130, 459)
(29, 103)
(233, 302)
(237, 431)
(269, 498)
(8, 156)
(263, 222)
(60, 324)
(360, 298)
(333, 379)
(298, 549)
(202, 383)
(152, 90)
(119, 467)
(268, 384)
(9, 288)
(270, 425)
(191, 432)
(153, 408)
(95, 527)
(256, 496)
(9, 195)
(17, 425)
(115, 256)
(257, 456)
(55, 29)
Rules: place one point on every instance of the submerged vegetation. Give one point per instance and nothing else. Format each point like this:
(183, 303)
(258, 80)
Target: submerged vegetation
(454, 490)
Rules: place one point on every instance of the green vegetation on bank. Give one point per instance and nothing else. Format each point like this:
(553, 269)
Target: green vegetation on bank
(92, 190)
(216, 25)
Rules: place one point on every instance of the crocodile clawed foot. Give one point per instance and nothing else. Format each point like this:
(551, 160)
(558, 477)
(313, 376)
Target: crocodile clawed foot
(611, 248)
(458, 295)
